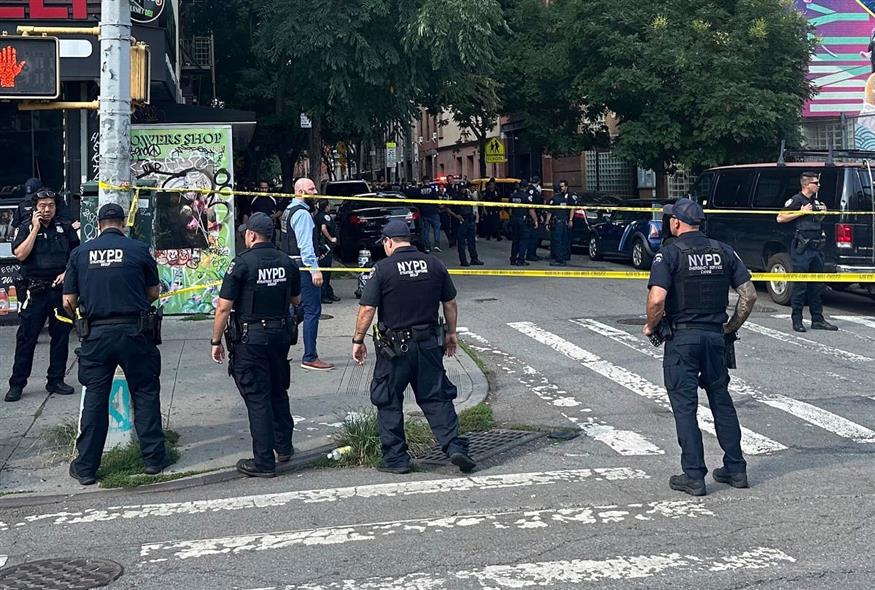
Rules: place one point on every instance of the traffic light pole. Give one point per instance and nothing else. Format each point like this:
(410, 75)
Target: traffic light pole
(115, 101)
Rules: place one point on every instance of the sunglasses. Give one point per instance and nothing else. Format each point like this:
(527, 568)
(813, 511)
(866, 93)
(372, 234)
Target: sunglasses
(46, 195)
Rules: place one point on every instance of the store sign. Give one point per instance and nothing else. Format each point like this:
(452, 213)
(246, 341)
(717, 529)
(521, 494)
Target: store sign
(37, 10)
(29, 68)
(146, 11)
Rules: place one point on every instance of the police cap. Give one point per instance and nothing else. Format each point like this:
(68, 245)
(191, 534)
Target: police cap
(110, 211)
(261, 224)
(686, 210)
(396, 229)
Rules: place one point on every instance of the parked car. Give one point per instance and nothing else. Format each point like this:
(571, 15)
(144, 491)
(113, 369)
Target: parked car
(584, 220)
(630, 235)
(345, 188)
(360, 223)
(763, 244)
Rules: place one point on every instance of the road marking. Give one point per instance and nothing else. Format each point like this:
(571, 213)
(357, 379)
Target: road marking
(862, 320)
(385, 490)
(570, 573)
(802, 410)
(751, 442)
(624, 442)
(805, 343)
(509, 520)
(3, 559)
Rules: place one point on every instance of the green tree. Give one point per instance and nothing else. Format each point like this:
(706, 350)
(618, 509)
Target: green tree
(692, 82)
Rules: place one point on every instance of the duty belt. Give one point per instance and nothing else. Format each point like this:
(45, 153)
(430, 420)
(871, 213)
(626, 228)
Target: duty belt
(116, 320)
(264, 325)
(698, 326)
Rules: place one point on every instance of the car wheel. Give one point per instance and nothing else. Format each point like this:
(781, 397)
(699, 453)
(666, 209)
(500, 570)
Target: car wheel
(779, 291)
(641, 259)
(594, 252)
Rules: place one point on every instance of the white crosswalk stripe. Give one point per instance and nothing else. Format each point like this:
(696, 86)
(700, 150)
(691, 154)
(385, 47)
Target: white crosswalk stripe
(862, 320)
(385, 490)
(565, 574)
(624, 442)
(752, 443)
(805, 343)
(369, 532)
(809, 413)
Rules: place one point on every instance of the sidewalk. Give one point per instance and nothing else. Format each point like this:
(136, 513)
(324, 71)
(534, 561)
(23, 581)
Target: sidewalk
(201, 403)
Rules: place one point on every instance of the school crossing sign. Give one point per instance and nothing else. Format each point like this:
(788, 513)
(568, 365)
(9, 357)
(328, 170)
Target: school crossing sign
(495, 153)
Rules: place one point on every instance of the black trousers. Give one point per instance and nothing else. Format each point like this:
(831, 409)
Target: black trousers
(465, 237)
(327, 289)
(693, 359)
(31, 319)
(422, 368)
(449, 225)
(261, 371)
(106, 348)
(809, 260)
(519, 247)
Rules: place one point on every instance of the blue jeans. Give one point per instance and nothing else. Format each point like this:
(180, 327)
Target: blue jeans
(311, 300)
(431, 229)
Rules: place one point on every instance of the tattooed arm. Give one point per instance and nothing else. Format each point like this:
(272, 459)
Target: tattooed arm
(747, 296)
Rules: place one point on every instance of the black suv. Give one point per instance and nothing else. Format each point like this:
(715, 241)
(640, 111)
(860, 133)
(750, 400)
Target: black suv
(764, 244)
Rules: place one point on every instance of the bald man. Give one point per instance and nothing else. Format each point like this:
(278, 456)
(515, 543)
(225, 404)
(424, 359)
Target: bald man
(299, 239)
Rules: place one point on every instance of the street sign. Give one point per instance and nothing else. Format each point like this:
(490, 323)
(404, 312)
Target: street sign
(29, 68)
(391, 156)
(146, 11)
(306, 123)
(495, 153)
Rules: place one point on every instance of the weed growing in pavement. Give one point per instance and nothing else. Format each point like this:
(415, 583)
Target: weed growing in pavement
(473, 354)
(196, 317)
(61, 439)
(122, 467)
(476, 419)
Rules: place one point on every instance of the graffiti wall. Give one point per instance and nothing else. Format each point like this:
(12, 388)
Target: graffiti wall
(193, 229)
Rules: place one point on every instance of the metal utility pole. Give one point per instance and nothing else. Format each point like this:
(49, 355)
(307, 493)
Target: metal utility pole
(115, 100)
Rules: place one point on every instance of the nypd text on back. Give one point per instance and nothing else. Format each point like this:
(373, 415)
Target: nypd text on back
(271, 276)
(412, 268)
(105, 258)
(705, 263)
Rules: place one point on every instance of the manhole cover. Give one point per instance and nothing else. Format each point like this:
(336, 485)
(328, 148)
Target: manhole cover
(60, 574)
(483, 445)
(632, 321)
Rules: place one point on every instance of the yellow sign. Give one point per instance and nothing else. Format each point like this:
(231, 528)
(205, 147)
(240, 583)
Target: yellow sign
(495, 153)
(391, 145)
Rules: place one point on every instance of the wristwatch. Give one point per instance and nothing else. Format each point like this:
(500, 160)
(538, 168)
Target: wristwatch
(354, 341)
(214, 343)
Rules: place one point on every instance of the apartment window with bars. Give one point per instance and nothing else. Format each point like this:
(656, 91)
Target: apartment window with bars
(821, 134)
(679, 183)
(608, 173)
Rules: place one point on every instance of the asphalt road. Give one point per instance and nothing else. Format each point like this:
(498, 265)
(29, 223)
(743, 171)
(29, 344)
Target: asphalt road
(595, 511)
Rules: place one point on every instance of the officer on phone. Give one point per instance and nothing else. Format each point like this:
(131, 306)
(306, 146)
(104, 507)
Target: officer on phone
(806, 252)
(689, 290)
(109, 287)
(408, 287)
(259, 286)
(42, 244)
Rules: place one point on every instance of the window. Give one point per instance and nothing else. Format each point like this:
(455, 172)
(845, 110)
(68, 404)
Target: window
(679, 183)
(701, 191)
(607, 173)
(774, 187)
(733, 189)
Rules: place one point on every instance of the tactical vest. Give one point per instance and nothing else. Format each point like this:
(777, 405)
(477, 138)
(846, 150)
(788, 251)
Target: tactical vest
(265, 294)
(288, 240)
(49, 255)
(701, 283)
(809, 226)
(518, 213)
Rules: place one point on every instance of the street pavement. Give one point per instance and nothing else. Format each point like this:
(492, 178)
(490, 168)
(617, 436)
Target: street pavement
(594, 511)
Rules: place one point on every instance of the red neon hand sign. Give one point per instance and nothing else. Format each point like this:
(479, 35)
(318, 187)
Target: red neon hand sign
(10, 67)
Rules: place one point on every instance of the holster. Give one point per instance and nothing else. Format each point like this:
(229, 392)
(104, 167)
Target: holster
(150, 323)
(663, 333)
(232, 337)
(292, 330)
(83, 326)
(382, 344)
(729, 351)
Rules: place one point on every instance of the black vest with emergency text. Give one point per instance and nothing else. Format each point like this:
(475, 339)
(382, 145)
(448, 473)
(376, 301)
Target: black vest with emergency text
(268, 288)
(701, 282)
(288, 240)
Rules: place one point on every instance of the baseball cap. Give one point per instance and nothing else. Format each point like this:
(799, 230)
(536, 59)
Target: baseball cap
(686, 210)
(396, 229)
(261, 224)
(32, 185)
(110, 211)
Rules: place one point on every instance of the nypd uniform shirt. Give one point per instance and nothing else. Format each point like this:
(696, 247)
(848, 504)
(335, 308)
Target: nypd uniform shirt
(111, 274)
(407, 289)
(808, 224)
(267, 275)
(666, 264)
(525, 197)
(49, 256)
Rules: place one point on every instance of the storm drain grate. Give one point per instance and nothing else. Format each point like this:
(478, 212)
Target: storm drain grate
(60, 574)
(483, 445)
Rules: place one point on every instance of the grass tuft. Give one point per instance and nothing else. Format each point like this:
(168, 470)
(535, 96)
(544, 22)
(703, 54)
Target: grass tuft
(61, 439)
(476, 419)
(122, 467)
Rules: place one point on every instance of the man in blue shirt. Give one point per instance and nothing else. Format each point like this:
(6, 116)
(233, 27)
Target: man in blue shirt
(298, 239)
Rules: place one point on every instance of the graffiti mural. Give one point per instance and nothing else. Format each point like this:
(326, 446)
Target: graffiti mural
(193, 227)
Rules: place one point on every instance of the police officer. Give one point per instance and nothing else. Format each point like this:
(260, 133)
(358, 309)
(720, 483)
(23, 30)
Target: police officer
(407, 288)
(806, 252)
(42, 244)
(111, 283)
(429, 214)
(466, 216)
(260, 285)
(326, 227)
(534, 235)
(689, 289)
(560, 222)
(521, 219)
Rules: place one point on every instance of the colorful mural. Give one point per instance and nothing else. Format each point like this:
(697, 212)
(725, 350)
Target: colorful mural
(193, 230)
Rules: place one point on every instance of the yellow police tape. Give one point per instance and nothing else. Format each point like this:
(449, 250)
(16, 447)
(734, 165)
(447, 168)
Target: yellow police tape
(797, 277)
(504, 205)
